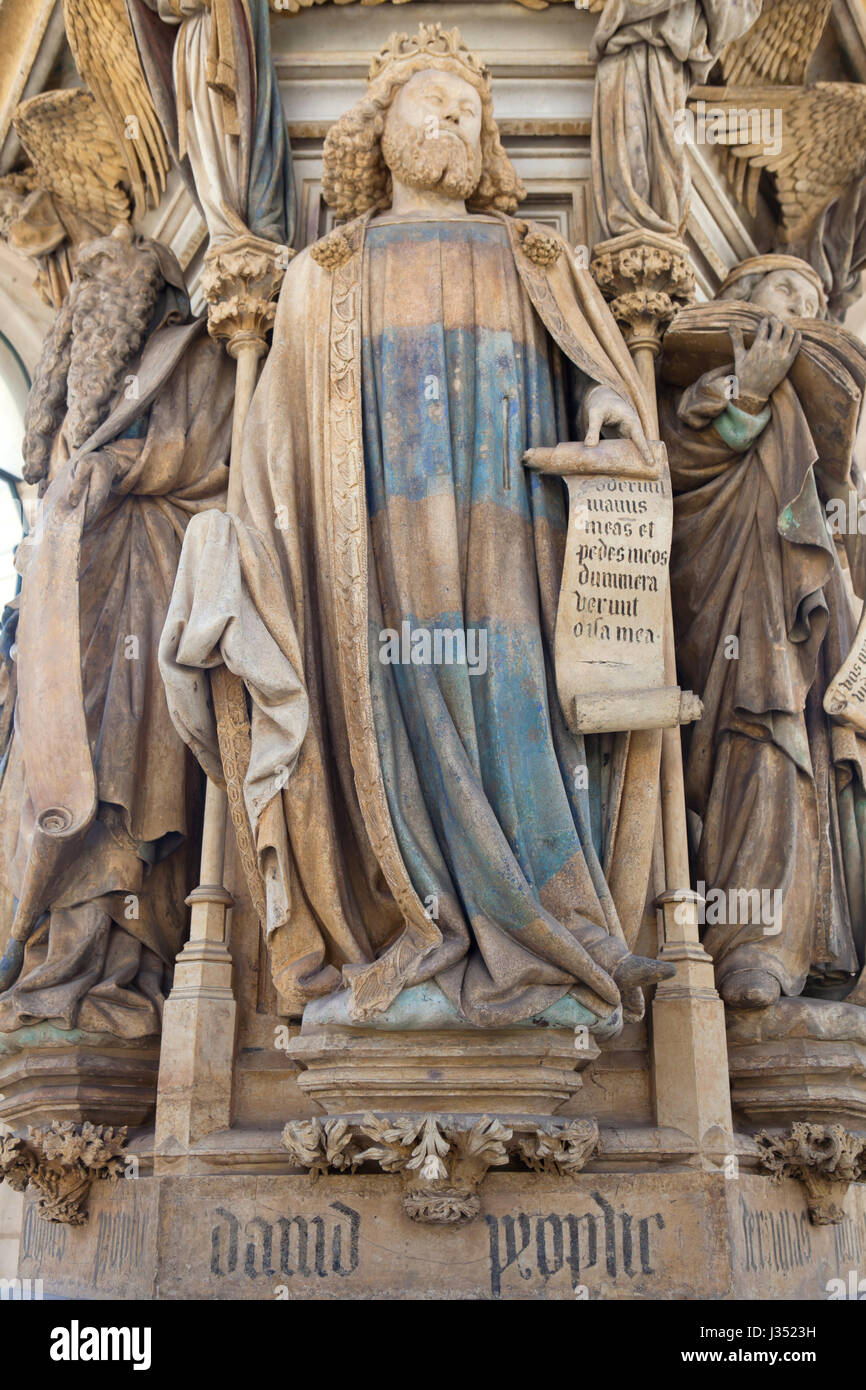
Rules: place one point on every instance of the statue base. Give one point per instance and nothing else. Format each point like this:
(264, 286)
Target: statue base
(419, 1054)
(510, 1071)
(49, 1073)
(801, 1059)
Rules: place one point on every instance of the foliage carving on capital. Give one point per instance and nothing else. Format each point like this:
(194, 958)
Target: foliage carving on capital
(60, 1163)
(241, 281)
(442, 1159)
(825, 1158)
(646, 281)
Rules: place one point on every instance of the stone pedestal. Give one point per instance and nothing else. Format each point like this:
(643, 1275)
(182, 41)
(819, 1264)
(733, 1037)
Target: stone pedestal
(510, 1071)
(802, 1059)
(198, 1033)
(48, 1074)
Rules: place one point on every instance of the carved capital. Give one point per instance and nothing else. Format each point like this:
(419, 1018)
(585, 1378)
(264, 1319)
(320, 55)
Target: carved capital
(442, 1159)
(646, 279)
(241, 281)
(61, 1163)
(825, 1158)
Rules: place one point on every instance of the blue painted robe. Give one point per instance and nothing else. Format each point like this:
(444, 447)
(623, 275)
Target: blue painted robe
(496, 805)
(439, 822)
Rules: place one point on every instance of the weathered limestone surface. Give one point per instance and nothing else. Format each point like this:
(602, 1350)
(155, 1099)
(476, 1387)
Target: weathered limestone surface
(632, 1107)
(670, 1235)
(11, 1207)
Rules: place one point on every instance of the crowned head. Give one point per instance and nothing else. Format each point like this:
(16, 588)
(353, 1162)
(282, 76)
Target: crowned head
(427, 122)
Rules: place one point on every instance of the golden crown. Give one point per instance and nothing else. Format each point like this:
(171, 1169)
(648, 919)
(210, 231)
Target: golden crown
(431, 42)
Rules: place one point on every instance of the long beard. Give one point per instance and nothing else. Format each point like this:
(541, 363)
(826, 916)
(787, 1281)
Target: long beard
(98, 331)
(107, 333)
(444, 164)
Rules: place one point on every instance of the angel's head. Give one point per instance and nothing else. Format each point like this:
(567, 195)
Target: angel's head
(427, 122)
(100, 327)
(781, 285)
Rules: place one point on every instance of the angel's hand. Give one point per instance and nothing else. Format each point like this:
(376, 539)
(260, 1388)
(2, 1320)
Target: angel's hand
(765, 365)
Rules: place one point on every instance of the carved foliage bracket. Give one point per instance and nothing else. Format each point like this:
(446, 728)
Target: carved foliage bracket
(825, 1158)
(240, 282)
(443, 1159)
(60, 1163)
(646, 279)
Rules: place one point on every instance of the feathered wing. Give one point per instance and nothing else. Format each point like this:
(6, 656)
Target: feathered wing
(103, 45)
(75, 155)
(823, 146)
(823, 152)
(779, 45)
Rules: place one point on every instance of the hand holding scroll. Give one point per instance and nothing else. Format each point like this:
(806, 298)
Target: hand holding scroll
(631, 455)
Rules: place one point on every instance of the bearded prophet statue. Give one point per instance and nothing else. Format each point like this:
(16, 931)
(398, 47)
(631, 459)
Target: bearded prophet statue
(766, 599)
(434, 820)
(128, 434)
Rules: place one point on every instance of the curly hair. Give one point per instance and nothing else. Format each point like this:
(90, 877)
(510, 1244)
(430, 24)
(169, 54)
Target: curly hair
(99, 328)
(356, 177)
(46, 405)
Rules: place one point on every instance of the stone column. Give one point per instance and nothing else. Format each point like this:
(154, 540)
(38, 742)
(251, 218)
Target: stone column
(240, 282)
(646, 278)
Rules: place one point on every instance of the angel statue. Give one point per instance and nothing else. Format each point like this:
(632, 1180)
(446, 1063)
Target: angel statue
(85, 173)
(127, 433)
(759, 415)
(422, 813)
(819, 166)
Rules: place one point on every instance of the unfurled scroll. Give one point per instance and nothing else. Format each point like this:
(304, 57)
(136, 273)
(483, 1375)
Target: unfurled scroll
(610, 627)
(845, 697)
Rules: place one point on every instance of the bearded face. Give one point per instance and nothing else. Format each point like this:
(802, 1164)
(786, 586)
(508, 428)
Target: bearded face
(98, 331)
(432, 136)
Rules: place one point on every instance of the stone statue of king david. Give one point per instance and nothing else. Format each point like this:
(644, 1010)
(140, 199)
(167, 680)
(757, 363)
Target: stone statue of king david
(435, 821)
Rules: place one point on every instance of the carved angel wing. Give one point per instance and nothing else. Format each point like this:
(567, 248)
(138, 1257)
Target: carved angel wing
(101, 38)
(823, 151)
(75, 155)
(779, 44)
(823, 145)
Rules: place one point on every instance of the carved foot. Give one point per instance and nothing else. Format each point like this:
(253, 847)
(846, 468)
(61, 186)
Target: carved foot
(750, 989)
(634, 971)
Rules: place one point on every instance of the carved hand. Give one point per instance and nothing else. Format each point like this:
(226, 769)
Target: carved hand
(603, 407)
(762, 367)
(93, 473)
